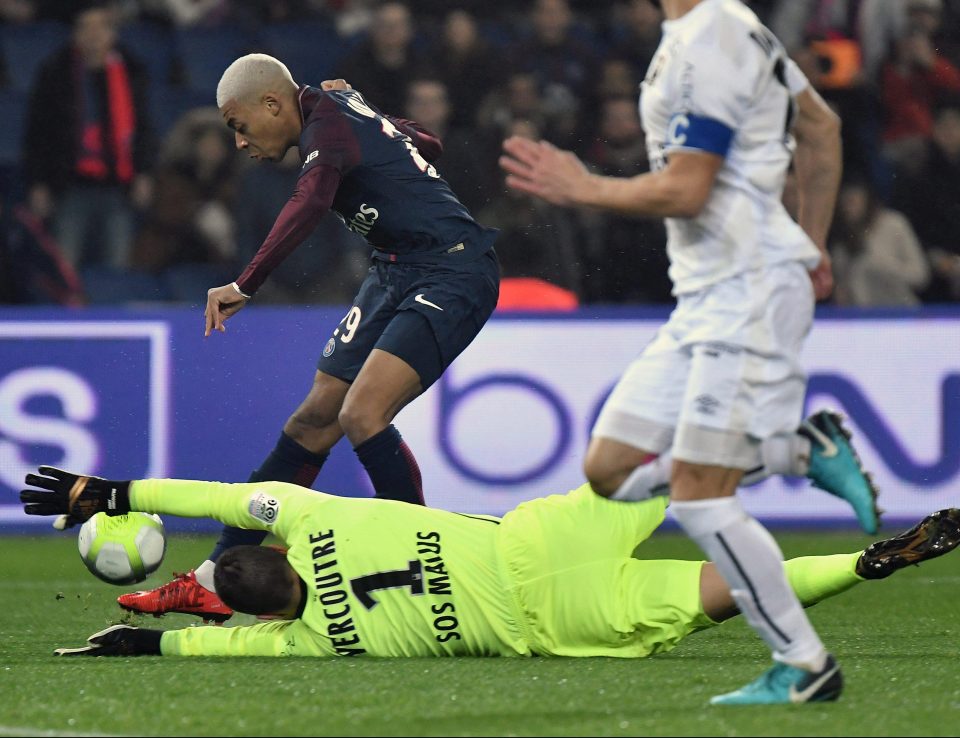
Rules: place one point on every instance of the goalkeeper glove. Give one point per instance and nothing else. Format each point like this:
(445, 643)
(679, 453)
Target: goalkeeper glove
(74, 497)
(118, 640)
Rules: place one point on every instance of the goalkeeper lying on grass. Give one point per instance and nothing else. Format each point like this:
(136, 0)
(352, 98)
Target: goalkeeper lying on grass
(382, 578)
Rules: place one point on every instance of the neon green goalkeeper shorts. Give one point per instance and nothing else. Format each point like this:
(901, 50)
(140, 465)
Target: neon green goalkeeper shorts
(579, 590)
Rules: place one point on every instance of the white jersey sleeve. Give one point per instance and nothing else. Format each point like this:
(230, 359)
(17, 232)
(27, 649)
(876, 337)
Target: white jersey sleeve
(797, 81)
(714, 96)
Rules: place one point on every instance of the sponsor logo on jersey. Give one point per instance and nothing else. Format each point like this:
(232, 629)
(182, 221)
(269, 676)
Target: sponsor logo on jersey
(364, 220)
(264, 508)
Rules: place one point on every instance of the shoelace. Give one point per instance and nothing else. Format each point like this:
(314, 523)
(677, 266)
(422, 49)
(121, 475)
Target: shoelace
(179, 588)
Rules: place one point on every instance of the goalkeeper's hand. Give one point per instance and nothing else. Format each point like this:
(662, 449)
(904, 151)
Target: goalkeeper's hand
(73, 497)
(118, 640)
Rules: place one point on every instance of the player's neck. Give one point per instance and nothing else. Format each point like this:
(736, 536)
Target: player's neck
(673, 9)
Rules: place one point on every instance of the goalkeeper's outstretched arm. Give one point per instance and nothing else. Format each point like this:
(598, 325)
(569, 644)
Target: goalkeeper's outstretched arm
(278, 638)
(270, 506)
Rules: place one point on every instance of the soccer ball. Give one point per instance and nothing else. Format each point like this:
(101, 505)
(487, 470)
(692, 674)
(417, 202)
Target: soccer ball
(122, 549)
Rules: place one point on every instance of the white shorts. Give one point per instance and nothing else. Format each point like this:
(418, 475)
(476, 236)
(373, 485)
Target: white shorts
(722, 374)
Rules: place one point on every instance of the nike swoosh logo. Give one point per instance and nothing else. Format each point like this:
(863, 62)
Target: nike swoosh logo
(811, 689)
(829, 447)
(420, 298)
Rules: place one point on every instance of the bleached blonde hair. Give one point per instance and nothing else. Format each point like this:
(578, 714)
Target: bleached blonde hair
(250, 76)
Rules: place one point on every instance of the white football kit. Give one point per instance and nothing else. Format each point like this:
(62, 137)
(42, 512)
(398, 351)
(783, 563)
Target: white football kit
(724, 371)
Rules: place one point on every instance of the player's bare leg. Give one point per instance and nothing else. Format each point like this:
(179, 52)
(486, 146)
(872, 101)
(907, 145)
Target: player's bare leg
(314, 424)
(385, 384)
(609, 464)
(308, 435)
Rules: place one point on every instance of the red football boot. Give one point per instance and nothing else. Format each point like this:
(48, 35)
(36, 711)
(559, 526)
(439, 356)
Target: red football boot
(184, 594)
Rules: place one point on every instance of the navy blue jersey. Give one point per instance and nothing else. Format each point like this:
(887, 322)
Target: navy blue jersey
(389, 193)
(367, 167)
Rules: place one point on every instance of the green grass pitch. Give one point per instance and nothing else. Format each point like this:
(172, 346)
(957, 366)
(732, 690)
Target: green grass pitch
(898, 641)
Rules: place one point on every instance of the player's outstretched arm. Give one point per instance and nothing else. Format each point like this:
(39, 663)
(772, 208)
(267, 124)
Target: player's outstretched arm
(282, 638)
(679, 190)
(276, 507)
(818, 163)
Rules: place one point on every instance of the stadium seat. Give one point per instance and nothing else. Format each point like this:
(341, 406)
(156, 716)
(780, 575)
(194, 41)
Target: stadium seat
(13, 103)
(152, 45)
(26, 47)
(310, 50)
(205, 52)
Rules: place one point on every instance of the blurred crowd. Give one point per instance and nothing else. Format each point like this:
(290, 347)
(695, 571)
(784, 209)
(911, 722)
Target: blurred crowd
(119, 182)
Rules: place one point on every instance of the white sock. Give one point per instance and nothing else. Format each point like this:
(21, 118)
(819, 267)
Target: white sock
(204, 574)
(751, 563)
(787, 454)
(646, 481)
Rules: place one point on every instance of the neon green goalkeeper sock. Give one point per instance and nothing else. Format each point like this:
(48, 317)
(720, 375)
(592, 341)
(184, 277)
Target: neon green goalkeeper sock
(815, 578)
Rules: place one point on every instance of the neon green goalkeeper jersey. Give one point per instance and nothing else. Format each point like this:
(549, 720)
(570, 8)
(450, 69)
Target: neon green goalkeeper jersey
(383, 578)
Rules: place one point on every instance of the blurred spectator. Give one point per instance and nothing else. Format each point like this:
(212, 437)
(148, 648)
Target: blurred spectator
(618, 78)
(17, 11)
(462, 165)
(188, 234)
(467, 64)
(563, 66)
(636, 246)
(877, 259)
(930, 198)
(940, 21)
(620, 147)
(381, 67)
(352, 16)
(185, 13)
(518, 99)
(854, 37)
(32, 269)
(636, 34)
(912, 81)
(282, 11)
(537, 240)
(327, 268)
(88, 144)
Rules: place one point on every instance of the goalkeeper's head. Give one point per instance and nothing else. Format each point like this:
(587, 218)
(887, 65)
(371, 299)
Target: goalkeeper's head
(258, 580)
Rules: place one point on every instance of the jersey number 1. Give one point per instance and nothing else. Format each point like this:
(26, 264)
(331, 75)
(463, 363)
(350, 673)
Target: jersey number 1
(411, 577)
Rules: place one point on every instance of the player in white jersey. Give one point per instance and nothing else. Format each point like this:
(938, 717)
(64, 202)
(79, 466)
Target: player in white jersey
(719, 392)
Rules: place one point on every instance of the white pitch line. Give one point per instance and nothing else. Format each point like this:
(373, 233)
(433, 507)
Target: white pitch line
(22, 730)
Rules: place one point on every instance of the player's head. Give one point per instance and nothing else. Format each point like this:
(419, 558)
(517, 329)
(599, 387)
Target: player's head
(94, 29)
(257, 99)
(256, 580)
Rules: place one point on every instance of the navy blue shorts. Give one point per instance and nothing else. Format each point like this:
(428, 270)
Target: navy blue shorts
(425, 314)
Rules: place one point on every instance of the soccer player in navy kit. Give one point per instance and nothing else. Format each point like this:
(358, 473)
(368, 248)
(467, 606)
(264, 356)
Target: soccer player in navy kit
(433, 284)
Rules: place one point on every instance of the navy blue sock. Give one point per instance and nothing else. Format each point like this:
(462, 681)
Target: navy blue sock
(288, 462)
(391, 466)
